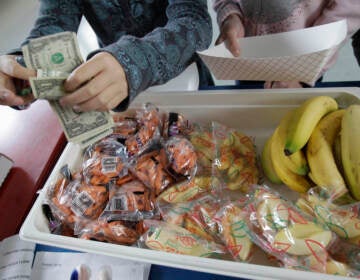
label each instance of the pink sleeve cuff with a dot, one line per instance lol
(224, 11)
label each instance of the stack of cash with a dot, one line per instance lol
(55, 57)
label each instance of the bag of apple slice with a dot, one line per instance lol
(163, 236)
(283, 231)
(188, 190)
(196, 216)
(201, 137)
(345, 258)
(233, 231)
(235, 158)
(343, 220)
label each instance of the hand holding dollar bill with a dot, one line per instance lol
(55, 57)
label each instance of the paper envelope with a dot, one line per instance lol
(297, 55)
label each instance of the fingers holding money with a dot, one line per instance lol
(9, 98)
(7, 92)
(99, 84)
(104, 101)
(10, 67)
(10, 73)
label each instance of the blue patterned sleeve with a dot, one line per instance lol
(56, 16)
(166, 51)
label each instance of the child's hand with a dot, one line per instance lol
(231, 30)
(99, 84)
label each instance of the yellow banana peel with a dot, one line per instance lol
(350, 149)
(294, 181)
(304, 120)
(319, 153)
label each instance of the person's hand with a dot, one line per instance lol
(231, 30)
(99, 84)
(10, 69)
(289, 84)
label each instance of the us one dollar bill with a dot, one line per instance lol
(55, 57)
(83, 128)
(48, 84)
(58, 52)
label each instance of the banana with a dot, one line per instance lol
(299, 162)
(296, 162)
(337, 153)
(304, 120)
(279, 161)
(320, 157)
(267, 165)
(350, 149)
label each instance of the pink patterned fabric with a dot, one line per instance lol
(261, 17)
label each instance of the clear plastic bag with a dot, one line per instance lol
(279, 228)
(131, 201)
(170, 238)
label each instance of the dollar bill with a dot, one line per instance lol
(48, 84)
(83, 128)
(59, 52)
(55, 57)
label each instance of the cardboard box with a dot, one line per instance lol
(256, 113)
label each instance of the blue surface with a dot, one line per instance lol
(159, 272)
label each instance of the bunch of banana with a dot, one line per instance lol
(308, 149)
(350, 149)
(319, 153)
(304, 120)
(280, 168)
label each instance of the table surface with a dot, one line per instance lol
(33, 139)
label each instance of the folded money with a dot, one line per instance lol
(55, 57)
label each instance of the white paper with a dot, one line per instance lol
(297, 55)
(5, 166)
(16, 257)
(60, 265)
